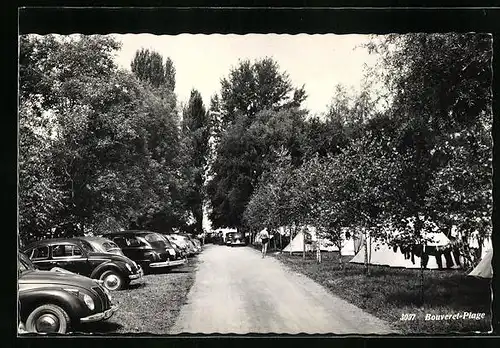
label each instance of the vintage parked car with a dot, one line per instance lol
(78, 256)
(184, 242)
(53, 302)
(178, 249)
(149, 249)
(229, 237)
(103, 245)
(196, 242)
(237, 238)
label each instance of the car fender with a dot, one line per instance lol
(30, 299)
(108, 265)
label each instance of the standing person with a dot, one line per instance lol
(264, 237)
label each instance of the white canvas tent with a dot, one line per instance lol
(382, 254)
(484, 269)
(296, 245)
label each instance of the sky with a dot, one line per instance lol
(319, 62)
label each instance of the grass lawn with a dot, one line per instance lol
(150, 305)
(388, 293)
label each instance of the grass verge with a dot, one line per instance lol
(151, 305)
(394, 294)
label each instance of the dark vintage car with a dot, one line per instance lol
(103, 245)
(195, 240)
(177, 240)
(148, 249)
(237, 238)
(229, 237)
(183, 240)
(53, 302)
(178, 249)
(77, 255)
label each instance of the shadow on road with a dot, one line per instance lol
(134, 286)
(102, 327)
(181, 271)
(185, 269)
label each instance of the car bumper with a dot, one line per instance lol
(167, 263)
(100, 316)
(138, 275)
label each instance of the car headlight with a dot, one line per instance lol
(171, 252)
(128, 267)
(88, 301)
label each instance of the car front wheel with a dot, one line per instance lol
(48, 319)
(112, 280)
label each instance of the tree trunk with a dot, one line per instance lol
(318, 250)
(303, 245)
(418, 232)
(367, 262)
(422, 276)
(341, 264)
(281, 243)
(480, 242)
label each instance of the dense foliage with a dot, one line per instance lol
(102, 148)
(425, 158)
(196, 130)
(99, 149)
(257, 113)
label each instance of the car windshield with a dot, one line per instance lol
(86, 246)
(24, 264)
(173, 241)
(153, 238)
(167, 241)
(109, 246)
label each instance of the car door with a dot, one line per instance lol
(40, 257)
(71, 257)
(131, 247)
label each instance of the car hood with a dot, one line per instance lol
(109, 256)
(56, 278)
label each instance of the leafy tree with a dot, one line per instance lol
(45, 62)
(148, 66)
(442, 95)
(441, 100)
(170, 74)
(196, 132)
(245, 153)
(110, 141)
(256, 100)
(253, 87)
(40, 197)
(323, 137)
(372, 174)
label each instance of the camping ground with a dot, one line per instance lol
(393, 294)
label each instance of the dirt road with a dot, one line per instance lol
(236, 291)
